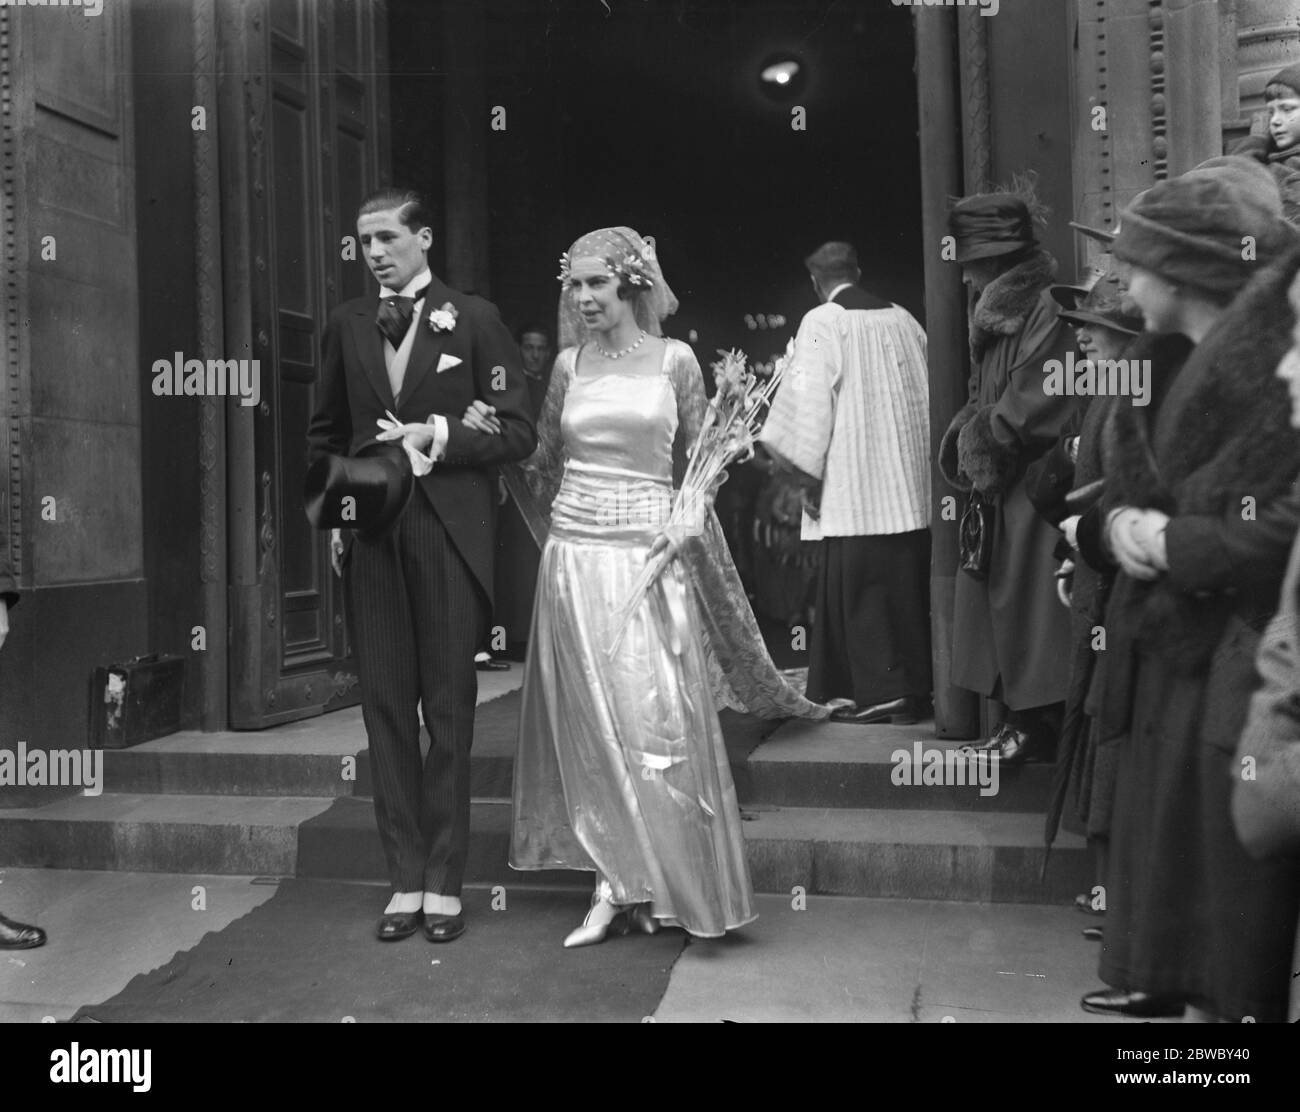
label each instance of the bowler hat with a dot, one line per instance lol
(366, 491)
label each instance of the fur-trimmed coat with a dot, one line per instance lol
(1010, 627)
(1193, 916)
(1221, 459)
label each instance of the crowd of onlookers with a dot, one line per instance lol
(1155, 491)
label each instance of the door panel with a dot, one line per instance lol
(313, 128)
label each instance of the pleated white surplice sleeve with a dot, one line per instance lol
(854, 412)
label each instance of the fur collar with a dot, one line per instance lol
(1006, 302)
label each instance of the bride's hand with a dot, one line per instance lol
(481, 417)
(670, 541)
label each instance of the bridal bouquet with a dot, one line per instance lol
(732, 421)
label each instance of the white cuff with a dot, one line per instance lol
(438, 448)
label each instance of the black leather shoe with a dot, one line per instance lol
(19, 936)
(1119, 1001)
(492, 665)
(396, 925)
(1015, 746)
(904, 711)
(443, 928)
(991, 744)
(1092, 934)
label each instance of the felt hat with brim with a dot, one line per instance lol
(1113, 318)
(1068, 297)
(1099, 234)
(366, 491)
(1101, 304)
(986, 225)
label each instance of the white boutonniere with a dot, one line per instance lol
(444, 319)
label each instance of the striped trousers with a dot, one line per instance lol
(417, 614)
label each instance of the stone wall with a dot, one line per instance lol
(70, 408)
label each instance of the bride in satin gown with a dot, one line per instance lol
(621, 767)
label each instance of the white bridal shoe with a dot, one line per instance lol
(641, 919)
(591, 933)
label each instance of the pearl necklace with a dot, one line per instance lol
(626, 351)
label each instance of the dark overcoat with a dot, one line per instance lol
(1189, 913)
(1010, 632)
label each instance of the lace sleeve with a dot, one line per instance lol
(545, 467)
(534, 483)
(688, 385)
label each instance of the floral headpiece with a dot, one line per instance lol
(631, 268)
(622, 259)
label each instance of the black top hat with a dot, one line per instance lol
(366, 492)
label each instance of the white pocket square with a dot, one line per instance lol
(446, 362)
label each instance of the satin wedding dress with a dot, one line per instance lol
(621, 766)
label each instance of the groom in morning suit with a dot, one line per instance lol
(419, 596)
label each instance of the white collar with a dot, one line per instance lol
(842, 286)
(422, 279)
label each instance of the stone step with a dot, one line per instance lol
(912, 853)
(793, 764)
(322, 759)
(832, 851)
(834, 764)
(133, 832)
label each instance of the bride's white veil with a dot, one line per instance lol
(627, 254)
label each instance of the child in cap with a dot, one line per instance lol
(1274, 138)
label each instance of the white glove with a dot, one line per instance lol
(413, 437)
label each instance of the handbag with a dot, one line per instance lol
(975, 537)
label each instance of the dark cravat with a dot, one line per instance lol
(394, 316)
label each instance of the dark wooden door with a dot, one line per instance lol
(305, 123)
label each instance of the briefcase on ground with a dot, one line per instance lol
(136, 701)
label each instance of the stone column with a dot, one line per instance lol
(956, 711)
(1155, 66)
